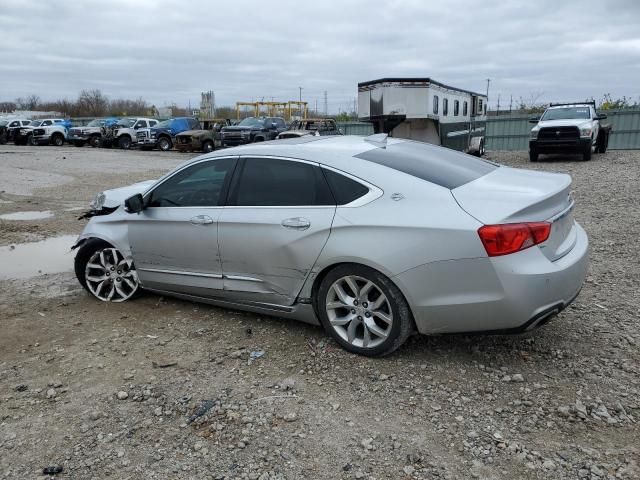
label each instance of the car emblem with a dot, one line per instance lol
(557, 133)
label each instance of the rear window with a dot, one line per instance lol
(441, 166)
(344, 189)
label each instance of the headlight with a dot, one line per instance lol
(98, 202)
(534, 133)
(585, 132)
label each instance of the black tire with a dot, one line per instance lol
(586, 155)
(402, 326)
(208, 146)
(533, 156)
(3, 139)
(258, 139)
(601, 144)
(124, 142)
(31, 141)
(85, 252)
(164, 144)
(94, 141)
(57, 139)
(79, 143)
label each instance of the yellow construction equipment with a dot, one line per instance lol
(246, 104)
(288, 110)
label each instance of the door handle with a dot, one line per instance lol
(201, 220)
(296, 223)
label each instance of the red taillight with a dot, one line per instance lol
(512, 237)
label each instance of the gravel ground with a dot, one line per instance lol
(160, 388)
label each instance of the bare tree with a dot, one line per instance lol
(93, 103)
(7, 107)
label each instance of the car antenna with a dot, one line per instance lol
(379, 138)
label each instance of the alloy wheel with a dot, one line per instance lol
(111, 277)
(359, 311)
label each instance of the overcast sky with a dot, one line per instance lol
(249, 50)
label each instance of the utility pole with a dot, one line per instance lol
(488, 82)
(325, 103)
(316, 109)
(498, 109)
(300, 97)
(510, 103)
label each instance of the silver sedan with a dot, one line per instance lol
(373, 238)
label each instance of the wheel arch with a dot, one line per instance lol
(311, 287)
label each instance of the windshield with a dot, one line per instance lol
(566, 113)
(126, 122)
(95, 123)
(165, 124)
(35, 123)
(251, 122)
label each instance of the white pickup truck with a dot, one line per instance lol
(569, 127)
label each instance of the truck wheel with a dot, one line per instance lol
(125, 142)
(207, 146)
(586, 155)
(3, 139)
(601, 145)
(57, 139)
(94, 141)
(533, 156)
(31, 141)
(164, 144)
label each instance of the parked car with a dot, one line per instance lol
(9, 126)
(54, 134)
(334, 231)
(163, 134)
(126, 129)
(25, 136)
(311, 126)
(569, 127)
(206, 139)
(91, 133)
(253, 129)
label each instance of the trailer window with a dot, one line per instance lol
(465, 108)
(480, 106)
(456, 107)
(445, 107)
(436, 100)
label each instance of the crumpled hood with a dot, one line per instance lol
(116, 196)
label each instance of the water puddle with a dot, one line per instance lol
(26, 260)
(27, 215)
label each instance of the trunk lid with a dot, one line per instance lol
(511, 195)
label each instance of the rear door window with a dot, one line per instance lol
(272, 182)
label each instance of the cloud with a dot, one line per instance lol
(170, 52)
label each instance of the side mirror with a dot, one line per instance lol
(534, 119)
(134, 204)
(601, 116)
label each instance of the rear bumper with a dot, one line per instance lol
(507, 294)
(546, 146)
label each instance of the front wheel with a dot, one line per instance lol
(164, 144)
(586, 155)
(533, 156)
(363, 310)
(124, 142)
(208, 146)
(57, 139)
(105, 273)
(94, 141)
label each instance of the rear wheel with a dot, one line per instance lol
(533, 155)
(105, 273)
(57, 139)
(207, 146)
(363, 310)
(94, 141)
(164, 144)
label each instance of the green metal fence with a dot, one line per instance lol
(355, 128)
(512, 132)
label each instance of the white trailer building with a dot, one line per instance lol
(425, 110)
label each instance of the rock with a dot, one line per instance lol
(158, 411)
(409, 470)
(94, 415)
(564, 411)
(51, 393)
(549, 465)
(198, 446)
(517, 377)
(290, 417)
(122, 395)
